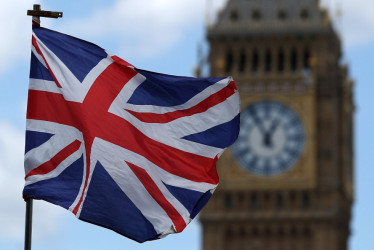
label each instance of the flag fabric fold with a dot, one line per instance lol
(120, 147)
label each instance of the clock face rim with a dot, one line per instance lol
(283, 153)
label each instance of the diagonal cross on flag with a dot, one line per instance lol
(120, 147)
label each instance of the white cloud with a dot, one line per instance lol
(15, 29)
(353, 19)
(151, 28)
(143, 28)
(147, 28)
(11, 181)
(358, 22)
(12, 210)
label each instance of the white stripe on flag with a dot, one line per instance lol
(72, 88)
(172, 132)
(128, 90)
(58, 170)
(114, 161)
(134, 189)
(44, 85)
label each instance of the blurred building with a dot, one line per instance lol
(286, 184)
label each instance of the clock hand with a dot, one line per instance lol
(267, 140)
(269, 134)
(258, 122)
(273, 126)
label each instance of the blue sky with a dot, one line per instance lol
(157, 35)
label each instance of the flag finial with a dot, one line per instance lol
(36, 13)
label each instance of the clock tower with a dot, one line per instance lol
(286, 183)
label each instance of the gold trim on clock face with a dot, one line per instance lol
(271, 138)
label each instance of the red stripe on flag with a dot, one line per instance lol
(55, 160)
(121, 61)
(157, 195)
(109, 127)
(201, 107)
(35, 24)
(88, 144)
(46, 63)
(47, 106)
(112, 128)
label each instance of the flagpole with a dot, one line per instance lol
(28, 224)
(36, 13)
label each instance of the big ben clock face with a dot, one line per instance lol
(271, 138)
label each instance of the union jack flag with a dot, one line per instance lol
(120, 147)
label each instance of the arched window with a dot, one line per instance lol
(229, 61)
(305, 202)
(268, 60)
(267, 231)
(266, 200)
(255, 60)
(228, 201)
(254, 201)
(279, 201)
(282, 15)
(293, 60)
(306, 231)
(293, 199)
(242, 60)
(229, 233)
(306, 59)
(280, 60)
(304, 14)
(256, 15)
(293, 231)
(234, 16)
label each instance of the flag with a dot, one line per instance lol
(120, 147)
